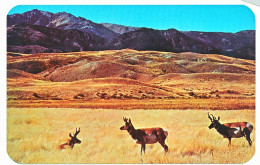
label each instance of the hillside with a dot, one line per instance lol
(60, 20)
(128, 74)
(120, 29)
(160, 40)
(241, 42)
(30, 39)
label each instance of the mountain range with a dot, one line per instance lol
(38, 31)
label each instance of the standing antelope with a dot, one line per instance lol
(231, 130)
(73, 140)
(146, 135)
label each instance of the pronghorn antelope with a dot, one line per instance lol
(73, 140)
(146, 135)
(231, 130)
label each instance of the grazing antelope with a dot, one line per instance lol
(231, 130)
(146, 135)
(73, 140)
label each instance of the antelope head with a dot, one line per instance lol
(214, 121)
(128, 124)
(74, 138)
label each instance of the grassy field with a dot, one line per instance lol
(34, 135)
(129, 104)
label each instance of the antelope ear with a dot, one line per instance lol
(70, 135)
(218, 118)
(129, 120)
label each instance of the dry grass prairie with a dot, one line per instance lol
(130, 104)
(34, 134)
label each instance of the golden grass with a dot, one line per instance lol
(33, 135)
(128, 104)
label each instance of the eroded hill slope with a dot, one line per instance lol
(128, 74)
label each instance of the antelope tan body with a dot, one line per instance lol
(152, 134)
(237, 124)
(239, 128)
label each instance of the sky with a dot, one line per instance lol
(208, 18)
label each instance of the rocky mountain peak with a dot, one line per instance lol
(240, 44)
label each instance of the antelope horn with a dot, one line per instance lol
(77, 132)
(125, 119)
(214, 118)
(209, 117)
